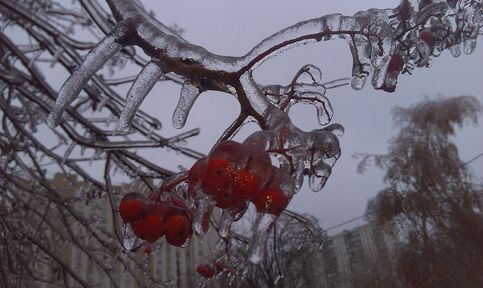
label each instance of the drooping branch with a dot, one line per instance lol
(383, 44)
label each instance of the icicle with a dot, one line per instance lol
(455, 50)
(324, 142)
(93, 61)
(68, 152)
(225, 224)
(361, 62)
(129, 240)
(141, 87)
(186, 243)
(56, 56)
(205, 205)
(379, 75)
(83, 150)
(188, 96)
(109, 119)
(95, 156)
(358, 81)
(469, 45)
(261, 227)
(279, 278)
(336, 129)
(150, 132)
(298, 178)
(102, 103)
(319, 176)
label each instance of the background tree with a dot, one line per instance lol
(90, 123)
(293, 257)
(431, 199)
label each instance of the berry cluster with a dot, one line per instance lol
(211, 270)
(151, 220)
(230, 177)
(234, 174)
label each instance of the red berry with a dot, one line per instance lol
(428, 38)
(271, 201)
(178, 227)
(205, 271)
(154, 222)
(245, 185)
(388, 88)
(148, 249)
(404, 10)
(139, 228)
(219, 265)
(217, 181)
(396, 64)
(259, 163)
(217, 175)
(132, 206)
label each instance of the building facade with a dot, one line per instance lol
(165, 266)
(354, 258)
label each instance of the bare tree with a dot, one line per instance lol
(293, 257)
(96, 125)
(431, 198)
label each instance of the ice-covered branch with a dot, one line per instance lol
(383, 44)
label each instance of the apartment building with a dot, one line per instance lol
(166, 265)
(351, 256)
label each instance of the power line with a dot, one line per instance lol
(362, 216)
(473, 159)
(346, 222)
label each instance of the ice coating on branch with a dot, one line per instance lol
(324, 151)
(309, 74)
(358, 81)
(141, 87)
(434, 9)
(261, 227)
(324, 109)
(381, 48)
(336, 129)
(189, 94)
(254, 93)
(93, 61)
(318, 177)
(306, 89)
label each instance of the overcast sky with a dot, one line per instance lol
(234, 27)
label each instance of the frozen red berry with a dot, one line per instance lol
(132, 206)
(178, 227)
(206, 271)
(271, 201)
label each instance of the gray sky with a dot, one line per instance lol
(234, 27)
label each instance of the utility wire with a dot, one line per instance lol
(362, 216)
(346, 222)
(473, 159)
